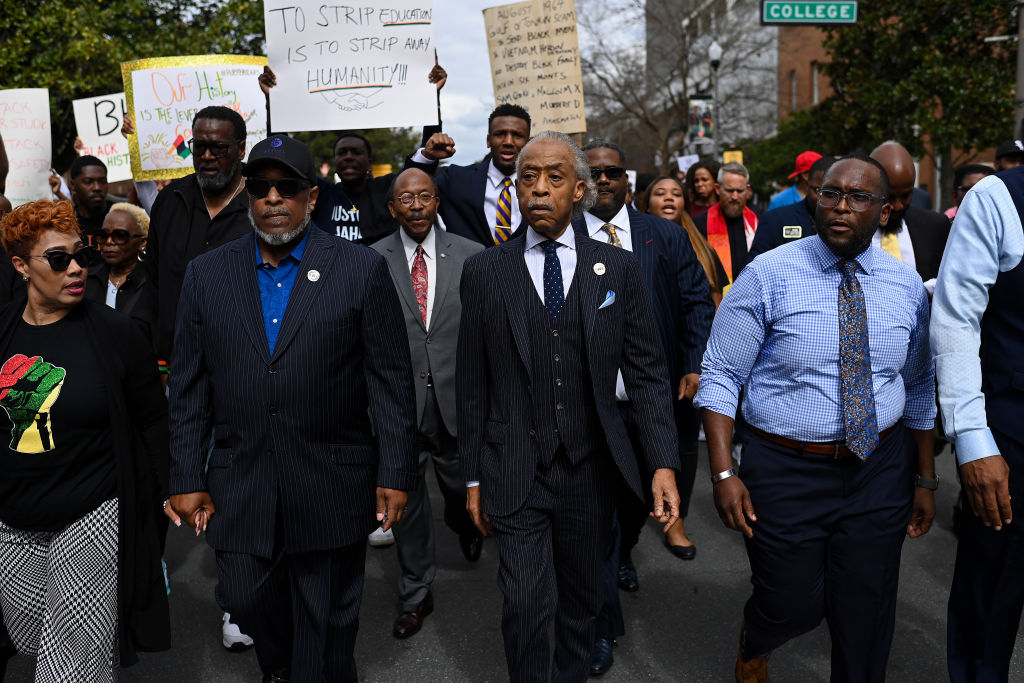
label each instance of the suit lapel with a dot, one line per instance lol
(394, 254)
(247, 296)
(480, 191)
(318, 256)
(443, 270)
(515, 288)
(641, 233)
(588, 281)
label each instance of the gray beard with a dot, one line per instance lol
(219, 182)
(283, 239)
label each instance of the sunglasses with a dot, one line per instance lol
(217, 149)
(612, 172)
(258, 188)
(117, 236)
(60, 260)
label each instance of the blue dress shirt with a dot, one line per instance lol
(534, 255)
(276, 286)
(777, 333)
(986, 240)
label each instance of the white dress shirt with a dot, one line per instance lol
(492, 190)
(534, 255)
(624, 233)
(906, 250)
(429, 257)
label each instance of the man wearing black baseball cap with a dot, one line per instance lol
(1009, 154)
(285, 342)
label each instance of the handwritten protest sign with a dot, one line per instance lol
(363, 65)
(535, 62)
(25, 127)
(98, 120)
(164, 94)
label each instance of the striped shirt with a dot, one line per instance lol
(777, 334)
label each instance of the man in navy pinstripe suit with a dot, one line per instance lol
(285, 353)
(548, 319)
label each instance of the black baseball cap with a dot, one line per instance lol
(284, 150)
(1008, 148)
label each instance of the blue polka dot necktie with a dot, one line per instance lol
(858, 397)
(554, 296)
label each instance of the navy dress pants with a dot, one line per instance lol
(827, 545)
(988, 586)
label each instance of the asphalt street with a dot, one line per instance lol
(682, 625)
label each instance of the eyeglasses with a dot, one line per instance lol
(829, 198)
(117, 236)
(408, 198)
(60, 260)
(612, 172)
(217, 149)
(258, 188)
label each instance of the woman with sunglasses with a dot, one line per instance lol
(116, 281)
(83, 465)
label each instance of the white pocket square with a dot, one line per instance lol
(609, 299)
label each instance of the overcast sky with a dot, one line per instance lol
(468, 96)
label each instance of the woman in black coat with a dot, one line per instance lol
(83, 476)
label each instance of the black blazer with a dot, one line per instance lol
(494, 369)
(928, 234)
(314, 427)
(781, 226)
(138, 424)
(678, 287)
(462, 190)
(136, 298)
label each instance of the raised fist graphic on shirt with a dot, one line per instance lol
(28, 389)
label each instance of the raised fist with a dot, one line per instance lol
(28, 389)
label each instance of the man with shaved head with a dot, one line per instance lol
(426, 266)
(914, 236)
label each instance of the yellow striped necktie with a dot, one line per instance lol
(503, 218)
(891, 243)
(613, 239)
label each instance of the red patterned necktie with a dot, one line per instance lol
(419, 282)
(503, 217)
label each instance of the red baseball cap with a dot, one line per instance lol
(804, 161)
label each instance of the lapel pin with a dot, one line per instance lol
(599, 268)
(313, 275)
(444, 255)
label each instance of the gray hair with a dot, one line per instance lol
(580, 165)
(734, 167)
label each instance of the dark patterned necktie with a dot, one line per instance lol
(857, 394)
(419, 282)
(554, 296)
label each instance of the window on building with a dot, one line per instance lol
(814, 83)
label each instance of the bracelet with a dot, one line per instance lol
(715, 478)
(926, 483)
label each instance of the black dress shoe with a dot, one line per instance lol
(627, 577)
(602, 658)
(683, 552)
(279, 676)
(471, 545)
(409, 623)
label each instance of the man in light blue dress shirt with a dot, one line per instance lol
(978, 341)
(829, 467)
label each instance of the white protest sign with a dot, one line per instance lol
(165, 93)
(363, 65)
(25, 127)
(98, 120)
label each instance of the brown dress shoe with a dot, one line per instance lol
(409, 623)
(754, 670)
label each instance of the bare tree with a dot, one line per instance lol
(643, 62)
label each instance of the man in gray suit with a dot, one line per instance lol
(426, 265)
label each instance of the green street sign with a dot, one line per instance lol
(781, 12)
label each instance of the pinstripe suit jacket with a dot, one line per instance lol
(312, 428)
(496, 443)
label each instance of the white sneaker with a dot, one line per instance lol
(232, 637)
(381, 538)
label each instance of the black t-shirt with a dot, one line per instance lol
(91, 226)
(56, 449)
(337, 211)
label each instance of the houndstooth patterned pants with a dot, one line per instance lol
(58, 595)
